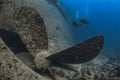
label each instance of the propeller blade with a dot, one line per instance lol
(15, 44)
(80, 53)
(13, 41)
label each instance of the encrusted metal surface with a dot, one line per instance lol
(31, 28)
(80, 53)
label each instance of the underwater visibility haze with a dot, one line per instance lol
(103, 17)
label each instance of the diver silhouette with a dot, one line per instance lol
(82, 22)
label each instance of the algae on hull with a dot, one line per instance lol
(30, 26)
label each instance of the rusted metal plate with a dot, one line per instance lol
(80, 53)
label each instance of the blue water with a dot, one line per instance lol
(104, 18)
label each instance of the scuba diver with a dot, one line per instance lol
(76, 24)
(82, 22)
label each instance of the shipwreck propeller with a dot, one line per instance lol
(30, 36)
(80, 53)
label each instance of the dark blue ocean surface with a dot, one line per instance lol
(103, 17)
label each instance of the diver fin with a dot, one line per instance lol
(80, 53)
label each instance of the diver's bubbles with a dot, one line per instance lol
(77, 16)
(87, 9)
